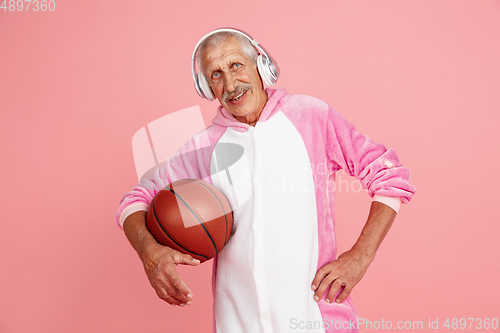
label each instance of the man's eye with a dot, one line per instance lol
(215, 75)
(237, 65)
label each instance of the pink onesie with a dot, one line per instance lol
(276, 176)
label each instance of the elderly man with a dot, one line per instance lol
(280, 271)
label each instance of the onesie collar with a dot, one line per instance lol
(226, 119)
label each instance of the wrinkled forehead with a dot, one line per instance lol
(216, 55)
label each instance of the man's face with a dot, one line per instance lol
(234, 78)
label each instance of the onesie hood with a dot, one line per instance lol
(226, 119)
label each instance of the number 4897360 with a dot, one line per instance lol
(34, 5)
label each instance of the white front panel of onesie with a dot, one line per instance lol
(265, 271)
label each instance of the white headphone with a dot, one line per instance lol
(268, 68)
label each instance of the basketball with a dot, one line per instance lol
(192, 217)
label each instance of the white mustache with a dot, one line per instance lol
(226, 96)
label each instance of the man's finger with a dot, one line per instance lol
(188, 260)
(343, 295)
(163, 294)
(320, 275)
(323, 286)
(334, 290)
(177, 287)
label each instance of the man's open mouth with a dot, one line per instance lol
(238, 97)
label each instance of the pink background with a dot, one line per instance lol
(423, 77)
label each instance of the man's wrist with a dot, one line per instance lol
(366, 255)
(137, 232)
(377, 225)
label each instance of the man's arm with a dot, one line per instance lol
(351, 265)
(159, 261)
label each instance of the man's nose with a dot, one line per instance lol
(231, 82)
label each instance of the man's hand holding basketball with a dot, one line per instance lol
(159, 261)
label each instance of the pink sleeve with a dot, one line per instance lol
(192, 160)
(376, 167)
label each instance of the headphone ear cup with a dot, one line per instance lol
(265, 71)
(205, 89)
(197, 86)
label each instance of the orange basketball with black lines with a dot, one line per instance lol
(192, 217)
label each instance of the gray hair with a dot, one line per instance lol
(218, 38)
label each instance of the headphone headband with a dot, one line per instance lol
(268, 68)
